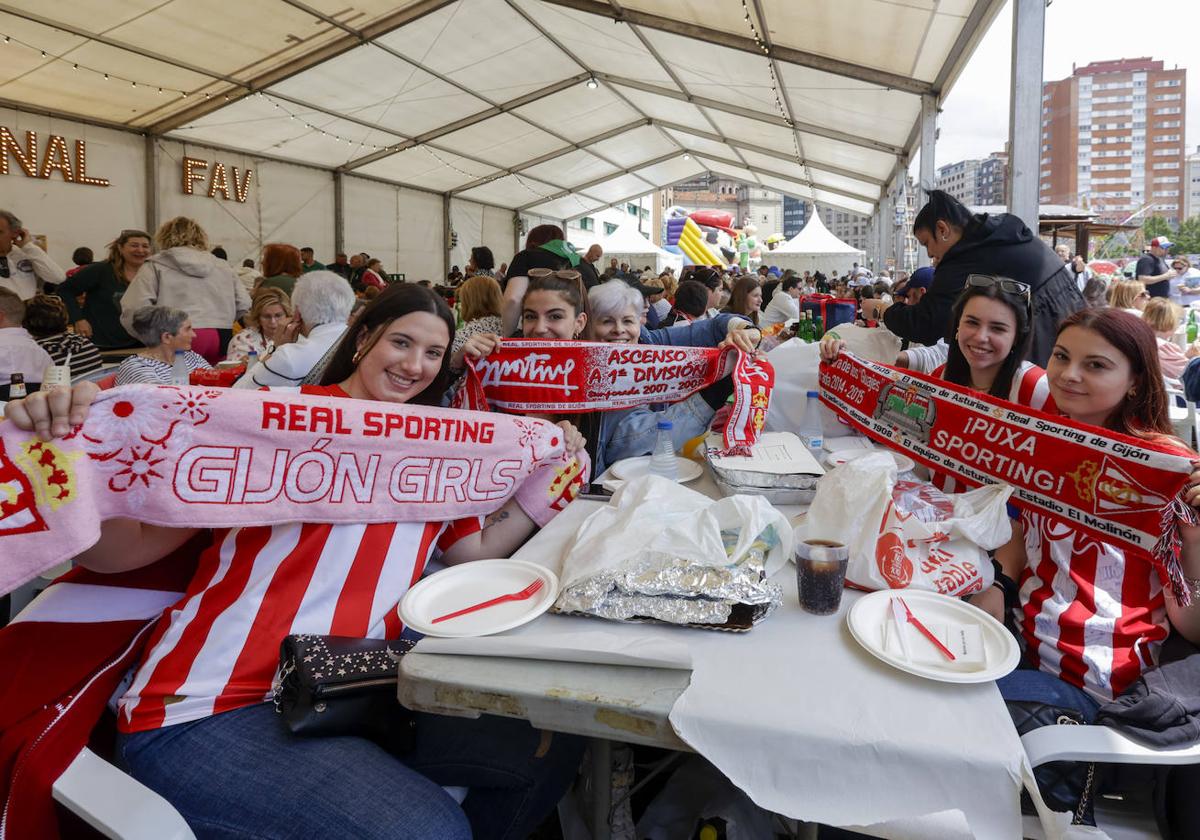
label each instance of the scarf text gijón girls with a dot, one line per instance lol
(209, 458)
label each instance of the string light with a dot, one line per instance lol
(761, 43)
(8, 39)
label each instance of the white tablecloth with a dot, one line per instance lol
(800, 717)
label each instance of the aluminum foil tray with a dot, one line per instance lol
(774, 495)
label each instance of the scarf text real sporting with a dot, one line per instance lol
(210, 458)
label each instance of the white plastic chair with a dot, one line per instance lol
(1130, 819)
(116, 804)
(1183, 417)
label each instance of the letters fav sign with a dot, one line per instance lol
(219, 179)
(57, 157)
(210, 458)
(577, 376)
(1119, 489)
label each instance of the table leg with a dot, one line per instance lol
(601, 773)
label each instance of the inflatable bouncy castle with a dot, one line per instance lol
(707, 237)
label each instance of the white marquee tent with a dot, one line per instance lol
(629, 246)
(814, 248)
(433, 116)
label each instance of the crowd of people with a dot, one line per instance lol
(1000, 313)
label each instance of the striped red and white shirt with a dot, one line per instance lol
(217, 649)
(1089, 615)
(1029, 388)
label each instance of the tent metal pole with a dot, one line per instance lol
(445, 237)
(1025, 109)
(151, 160)
(927, 173)
(339, 213)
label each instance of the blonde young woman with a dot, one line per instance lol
(184, 275)
(1164, 318)
(266, 324)
(1129, 295)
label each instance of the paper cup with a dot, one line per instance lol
(56, 375)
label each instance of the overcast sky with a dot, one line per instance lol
(974, 118)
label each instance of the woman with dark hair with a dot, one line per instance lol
(46, 320)
(202, 735)
(1092, 617)
(1000, 244)
(746, 299)
(101, 285)
(481, 263)
(691, 303)
(545, 247)
(281, 267)
(985, 350)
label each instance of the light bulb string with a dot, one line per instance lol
(765, 48)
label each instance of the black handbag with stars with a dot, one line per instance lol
(340, 685)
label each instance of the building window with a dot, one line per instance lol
(609, 228)
(587, 223)
(632, 208)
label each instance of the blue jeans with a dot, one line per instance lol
(241, 774)
(1032, 685)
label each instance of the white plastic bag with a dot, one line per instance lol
(657, 551)
(910, 545)
(796, 363)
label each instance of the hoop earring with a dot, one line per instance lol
(356, 358)
(944, 238)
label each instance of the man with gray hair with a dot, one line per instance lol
(323, 302)
(23, 265)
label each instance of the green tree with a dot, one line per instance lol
(1187, 237)
(1156, 226)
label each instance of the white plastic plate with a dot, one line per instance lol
(461, 586)
(836, 459)
(869, 614)
(631, 468)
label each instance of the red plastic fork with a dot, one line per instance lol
(528, 592)
(915, 622)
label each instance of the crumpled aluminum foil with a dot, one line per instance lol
(662, 586)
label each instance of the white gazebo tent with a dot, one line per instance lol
(629, 246)
(814, 248)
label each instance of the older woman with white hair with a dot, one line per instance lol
(617, 317)
(165, 331)
(322, 303)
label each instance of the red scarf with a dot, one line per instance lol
(578, 376)
(1122, 490)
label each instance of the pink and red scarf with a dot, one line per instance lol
(577, 376)
(210, 458)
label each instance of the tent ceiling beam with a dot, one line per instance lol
(782, 90)
(446, 80)
(545, 33)
(834, 190)
(629, 170)
(468, 121)
(333, 49)
(789, 55)
(65, 26)
(557, 153)
(751, 114)
(762, 150)
(669, 70)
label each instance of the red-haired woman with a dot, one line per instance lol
(281, 266)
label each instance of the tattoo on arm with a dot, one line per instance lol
(495, 518)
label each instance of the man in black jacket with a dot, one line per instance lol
(1001, 245)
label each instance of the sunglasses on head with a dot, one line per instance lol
(1011, 287)
(562, 274)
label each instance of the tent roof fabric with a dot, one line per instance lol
(626, 240)
(815, 238)
(553, 107)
